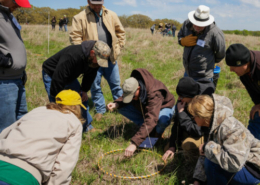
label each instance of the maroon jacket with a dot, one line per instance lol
(252, 80)
(158, 97)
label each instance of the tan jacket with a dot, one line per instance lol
(231, 144)
(46, 139)
(84, 28)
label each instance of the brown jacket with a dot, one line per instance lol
(158, 97)
(252, 80)
(84, 28)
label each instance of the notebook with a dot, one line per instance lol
(148, 141)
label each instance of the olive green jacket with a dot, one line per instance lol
(230, 143)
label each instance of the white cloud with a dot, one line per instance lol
(239, 17)
(126, 2)
(255, 3)
(229, 15)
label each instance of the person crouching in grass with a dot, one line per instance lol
(231, 154)
(43, 146)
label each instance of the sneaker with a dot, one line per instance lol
(88, 128)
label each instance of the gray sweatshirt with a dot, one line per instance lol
(199, 61)
(12, 43)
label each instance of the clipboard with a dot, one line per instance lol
(147, 142)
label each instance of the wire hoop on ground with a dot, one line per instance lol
(124, 177)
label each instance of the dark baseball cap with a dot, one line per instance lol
(237, 55)
(187, 87)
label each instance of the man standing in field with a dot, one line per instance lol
(173, 30)
(13, 61)
(246, 64)
(148, 103)
(98, 23)
(65, 23)
(204, 44)
(62, 70)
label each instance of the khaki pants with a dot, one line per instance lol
(189, 143)
(192, 143)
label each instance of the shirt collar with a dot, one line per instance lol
(4, 8)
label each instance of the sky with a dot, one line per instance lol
(228, 14)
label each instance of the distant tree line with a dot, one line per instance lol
(36, 15)
(242, 32)
(143, 21)
(39, 15)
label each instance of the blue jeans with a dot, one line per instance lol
(111, 74)
(254, 126)
(73, 86)
(136, 116)
(196, 79)
(216, 175)
(3, 183)
(173, 33)
(65, 27)
(13, 102)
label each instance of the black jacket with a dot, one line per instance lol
(183, 122)
(4, 60)
(252, 80)
(67, 65)
(60, 23)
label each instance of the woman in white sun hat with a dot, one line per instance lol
(204, 44)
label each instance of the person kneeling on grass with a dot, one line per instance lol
(185, 132)
(148, 103)
(43, 146)
(231, 155)
(61, 71)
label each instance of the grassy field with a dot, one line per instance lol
(162, 56)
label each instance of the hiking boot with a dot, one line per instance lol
(90, 129)
(98, 117)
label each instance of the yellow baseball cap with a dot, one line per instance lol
(69, 97)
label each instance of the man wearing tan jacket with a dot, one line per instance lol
(98, 23)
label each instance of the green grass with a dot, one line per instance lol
(162, 56)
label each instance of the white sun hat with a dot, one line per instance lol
(201, 17)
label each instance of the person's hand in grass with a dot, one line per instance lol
(169, 154)
(129, 151)
(112, 106)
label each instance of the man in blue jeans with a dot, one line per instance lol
(65, 23)
(246, 64)
(148, 103)
(13, 61)
(62, 70)
(96, 22)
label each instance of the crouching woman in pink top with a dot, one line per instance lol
(43, 146)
